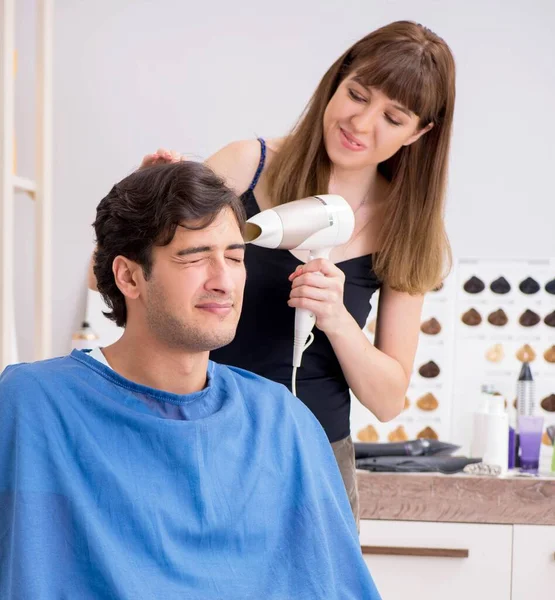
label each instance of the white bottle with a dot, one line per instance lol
(477, 446)
(496, 434)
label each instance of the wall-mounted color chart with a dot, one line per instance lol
(505, 315)
(489, 317)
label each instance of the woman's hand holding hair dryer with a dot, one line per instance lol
(318, 287)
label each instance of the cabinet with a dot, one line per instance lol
(436, 561)
(429, 536)
(533, 562)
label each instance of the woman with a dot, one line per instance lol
(377, 132)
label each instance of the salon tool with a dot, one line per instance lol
(317, 224)
(416, 464)
(420, 447)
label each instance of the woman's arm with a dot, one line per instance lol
(236, 164)
(379, 374)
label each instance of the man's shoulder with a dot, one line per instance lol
(22, 378)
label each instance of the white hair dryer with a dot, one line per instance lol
(317, 224)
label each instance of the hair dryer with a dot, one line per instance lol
(317, 224)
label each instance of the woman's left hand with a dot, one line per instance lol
(318, 287)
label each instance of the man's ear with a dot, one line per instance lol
(128, 275)
(419, 133)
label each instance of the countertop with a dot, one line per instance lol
(457, 498)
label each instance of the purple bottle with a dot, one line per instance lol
(512, 447)
(525, 404)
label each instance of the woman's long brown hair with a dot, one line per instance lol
(415, 67)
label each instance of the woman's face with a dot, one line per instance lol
(364, 127)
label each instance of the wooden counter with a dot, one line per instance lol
(456, 498)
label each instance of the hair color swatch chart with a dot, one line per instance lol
(505, 315)
(489, 317)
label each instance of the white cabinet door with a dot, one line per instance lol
(533, 562)
(438, 561)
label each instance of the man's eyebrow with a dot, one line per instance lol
(202, 249)
(404, 110)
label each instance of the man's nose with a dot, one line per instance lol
(220, 277)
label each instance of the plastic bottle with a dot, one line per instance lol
(496, 433)
(513, 436)
(477, 447)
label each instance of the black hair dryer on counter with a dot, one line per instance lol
(422, 447)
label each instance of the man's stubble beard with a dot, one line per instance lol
(176, 334)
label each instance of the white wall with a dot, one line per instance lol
(24, 212)
(134, 75)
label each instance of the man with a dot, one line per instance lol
(146, 471)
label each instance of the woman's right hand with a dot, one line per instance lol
(160, 157)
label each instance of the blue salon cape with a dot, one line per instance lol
(101, 497)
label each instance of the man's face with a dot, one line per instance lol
(194, 295)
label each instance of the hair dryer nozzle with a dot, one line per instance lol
(311, 223)
(264, 229)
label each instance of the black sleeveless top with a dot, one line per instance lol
(264, 340)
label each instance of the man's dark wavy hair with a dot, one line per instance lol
(144, 209)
